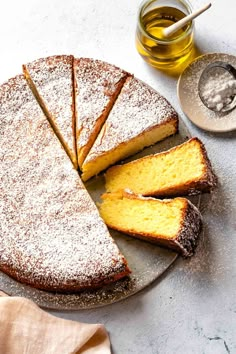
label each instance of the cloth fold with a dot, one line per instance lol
(26, 329)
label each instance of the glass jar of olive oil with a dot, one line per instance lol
(160, 51)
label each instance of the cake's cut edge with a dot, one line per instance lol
(186, 239)
(151, 136)
(206, 182)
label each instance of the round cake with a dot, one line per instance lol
(52, 235)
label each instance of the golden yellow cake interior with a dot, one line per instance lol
(139, 215)
(178, 170)
(173, 223)
(93, 167)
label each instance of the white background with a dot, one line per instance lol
(192, 309)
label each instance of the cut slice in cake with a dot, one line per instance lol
(51, 81)
(184, 169)
(97, 85)
(175, 223)
(52, 236)
(139, 118)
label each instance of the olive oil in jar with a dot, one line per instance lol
(159, 51)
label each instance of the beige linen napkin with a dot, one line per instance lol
(26, 329)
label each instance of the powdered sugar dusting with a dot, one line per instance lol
(51, 233)
(157, 261)
(137, 109)
(33, 138)
(190, 230)
(96, 83)
(53, 79)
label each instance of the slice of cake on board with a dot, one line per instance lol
(51, 81)
(139, 118)
(97, 85)
(173, 223)
(52, 236)
(184, 169)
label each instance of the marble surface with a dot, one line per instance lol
(192, 308)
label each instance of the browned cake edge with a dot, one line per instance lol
(68, 286)
(45, 110)
(185, 241)
(206, 183)
(190, 230)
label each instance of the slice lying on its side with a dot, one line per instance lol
(51, 81)
(174, 223)
(52, 236)
(139, 118)
(184, 169)
(97, 85)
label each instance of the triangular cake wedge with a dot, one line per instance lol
(52, 236)
(51, 81)
(139, 118)
(172, 223)
(184, 169)
(97, 85)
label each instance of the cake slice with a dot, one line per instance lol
(184, 169)
(52, 236)
(174, 224)
(51, 81)
(140, 117)
(97, 85)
